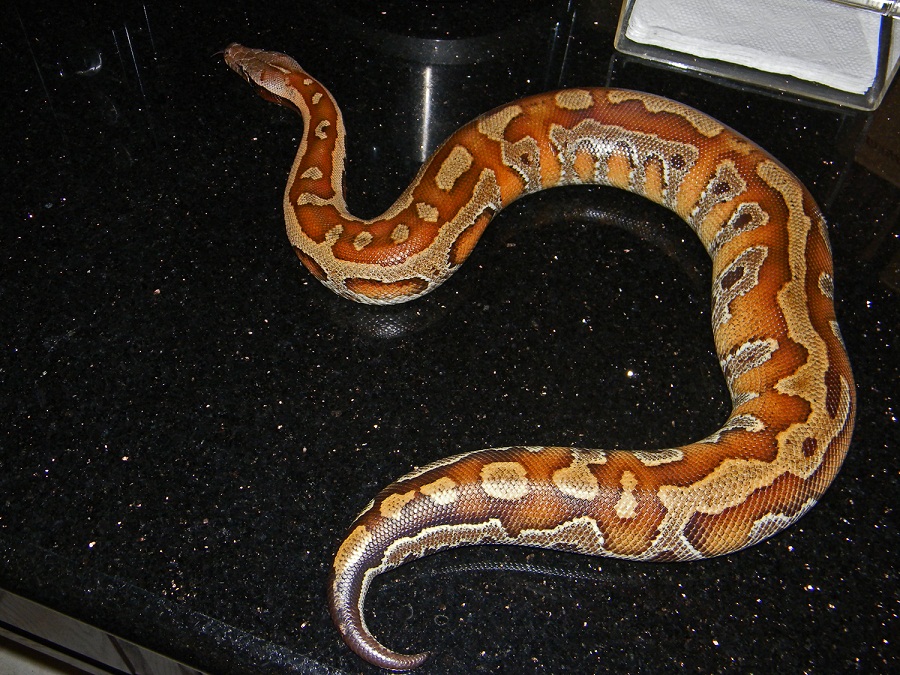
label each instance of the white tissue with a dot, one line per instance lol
(814, 40)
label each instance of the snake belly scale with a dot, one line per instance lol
(773, 319)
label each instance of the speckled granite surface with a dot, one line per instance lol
(190, 421)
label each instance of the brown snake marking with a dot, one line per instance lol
(773, 323)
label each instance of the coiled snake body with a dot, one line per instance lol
(772, 312)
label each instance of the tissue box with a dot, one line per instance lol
(838, 51)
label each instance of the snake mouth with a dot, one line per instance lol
(239, 69)
(245, 61)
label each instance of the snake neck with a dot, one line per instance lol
(317, 173)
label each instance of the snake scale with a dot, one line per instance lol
(773, 322)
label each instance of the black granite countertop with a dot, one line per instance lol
(190, 421)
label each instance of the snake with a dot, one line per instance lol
(773, 321)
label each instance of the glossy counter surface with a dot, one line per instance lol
(191, 421)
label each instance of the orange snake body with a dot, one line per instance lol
(772, 312)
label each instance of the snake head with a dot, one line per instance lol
(268, 72)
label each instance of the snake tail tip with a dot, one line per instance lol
(371, 651)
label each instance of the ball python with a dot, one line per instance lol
(773, 322)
